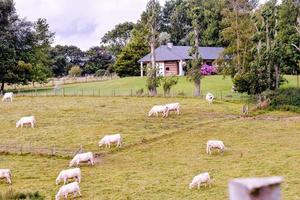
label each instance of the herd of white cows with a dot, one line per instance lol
(107, 140)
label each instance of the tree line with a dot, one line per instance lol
(262, 42)
(26, 54)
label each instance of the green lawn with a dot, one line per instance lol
(153, 169)
(218, 85)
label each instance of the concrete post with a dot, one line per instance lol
(255, 188)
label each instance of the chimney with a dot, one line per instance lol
(170, 45)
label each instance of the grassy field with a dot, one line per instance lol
(218, 85)
(150, 169)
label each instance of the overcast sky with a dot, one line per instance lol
(81, 22)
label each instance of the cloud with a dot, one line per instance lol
(81, 22)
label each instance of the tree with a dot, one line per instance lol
(153, 14)
(127, 61)
(168, 83)
(16, 42)
(211, 36)
(289, 36)
(164, 38)
(196, 13)
(64, 57)
(176, 22)
(237, 32)
(75, 71)
(41, 60)
(116, 39)
(98, 59)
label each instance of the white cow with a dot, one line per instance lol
(5, 173)
(174, 107)
(68, 174)
(71, 188)
(159, 109)
(26, 120)
(199, 179)
(82, 157)
(209, 98)
(7, 97)
(108, 139)
(214, 144)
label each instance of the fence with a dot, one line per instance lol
(46, 151)
(98, 92)
(61, 81)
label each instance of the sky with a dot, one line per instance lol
(81, 22)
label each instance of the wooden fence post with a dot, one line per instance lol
(93, 92)
(63, 92)
(131, 92)
(99, 92)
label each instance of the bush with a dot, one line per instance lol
(285, 98)
(75, 71)
(168, 83)
(208, 70)
(10, 194)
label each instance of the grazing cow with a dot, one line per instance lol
(174, 107)
(106, 140)
(26, 120)
(82, 157)
(159, 109)
(68, 174)
(5, 173)
(214, 144)
(209, 98)
(199, 179)
(7, 97)
(71, 188)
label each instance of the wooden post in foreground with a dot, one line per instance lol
(255, 188)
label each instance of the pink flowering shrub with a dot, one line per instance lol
(208, 70)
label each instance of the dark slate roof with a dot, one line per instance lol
(164, 53)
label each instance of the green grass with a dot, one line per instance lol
(219, 85)
(161, 169)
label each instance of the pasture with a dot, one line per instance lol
(159, 156)
(220, 86)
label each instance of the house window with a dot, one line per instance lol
(167, 69)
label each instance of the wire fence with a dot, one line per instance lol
(17, 148)
(98, 92)
(61, 81)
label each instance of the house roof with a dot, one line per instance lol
(165, 53)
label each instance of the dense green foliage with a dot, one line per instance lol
(116, 39)
(75, 71)
(23, 44)
(285, 98)
(168, 83)
(260, 42)
(127, 61)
